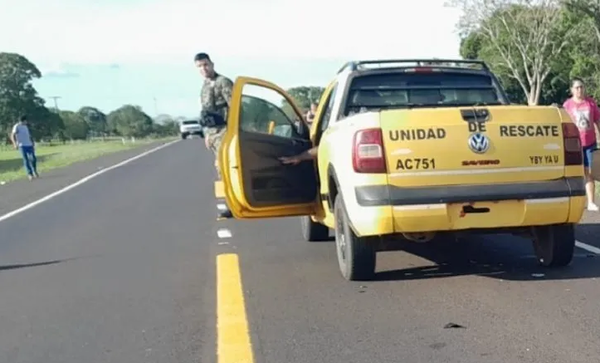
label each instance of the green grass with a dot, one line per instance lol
(58, 155)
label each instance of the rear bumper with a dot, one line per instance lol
(380, 195)
(401, 210)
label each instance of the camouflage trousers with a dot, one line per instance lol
(214, 137)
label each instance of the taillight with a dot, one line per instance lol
(422, 70)
(573, 151)
(367, 153)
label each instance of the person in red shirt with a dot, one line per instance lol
(585, 114)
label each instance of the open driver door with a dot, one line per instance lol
(264, 125)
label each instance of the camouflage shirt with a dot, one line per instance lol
(216, 95)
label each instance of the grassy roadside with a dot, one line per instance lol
(58, 155)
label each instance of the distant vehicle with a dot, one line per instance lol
(190, 127)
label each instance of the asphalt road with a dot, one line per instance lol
(129, 267)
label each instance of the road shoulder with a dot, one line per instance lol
(22, 192)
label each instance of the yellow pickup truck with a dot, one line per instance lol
(406, 148)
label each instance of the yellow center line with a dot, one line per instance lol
(233, 337)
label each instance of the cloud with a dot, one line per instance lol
(58, 71)
(65, 74)
(172, 31)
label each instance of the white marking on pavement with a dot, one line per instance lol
(81, 181)
(587, 247)
(224, 233)
(223, 243)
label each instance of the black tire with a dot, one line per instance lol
(313, 231)
(356, 256)
(184, 136)
(554, 245)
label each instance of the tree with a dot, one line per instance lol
(18, 96)
(305, 95)
(129, 120)
(474, 46)
(94, 118)
(75, 126)
(589, 9)
(584, 53)
(51, 127)
(166, 128)
(523, 39)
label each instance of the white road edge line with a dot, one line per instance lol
(224, 233)
(587, 247)
(81, 181)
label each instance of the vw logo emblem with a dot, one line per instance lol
(479, 143)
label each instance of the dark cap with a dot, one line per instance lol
(201, 56)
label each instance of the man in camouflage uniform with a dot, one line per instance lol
(214, 98)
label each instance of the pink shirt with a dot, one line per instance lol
(584, 114)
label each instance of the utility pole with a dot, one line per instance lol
(55, 103)
(155, 106)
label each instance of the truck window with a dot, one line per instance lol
(417, 89)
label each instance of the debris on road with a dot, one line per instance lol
(454, 326)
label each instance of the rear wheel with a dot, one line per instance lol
(554, 245)
(313, 231)
(356, 256)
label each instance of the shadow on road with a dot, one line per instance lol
(25, 265)
(501, 257)
(589, 233)
(35, 264)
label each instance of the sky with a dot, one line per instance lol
(106, 53)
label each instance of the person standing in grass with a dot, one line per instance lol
(585, 114)
(22, 140)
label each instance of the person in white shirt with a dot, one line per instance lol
(22, 140)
